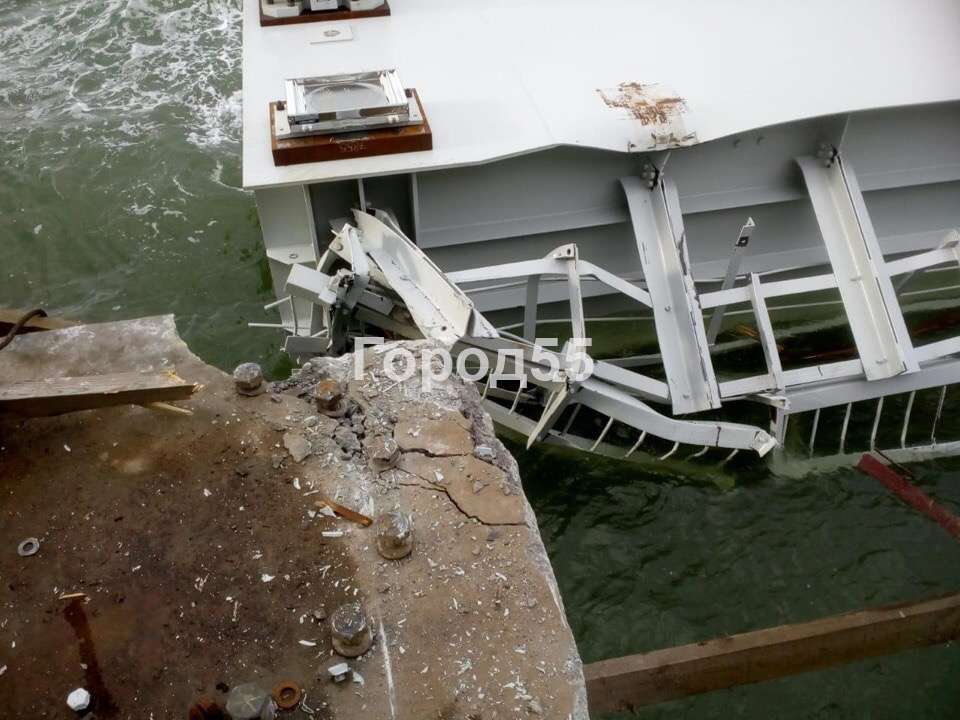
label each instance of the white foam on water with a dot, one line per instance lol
(122, 67)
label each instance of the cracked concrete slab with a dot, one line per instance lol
(433, 431)
(206, 563)
(480, 490)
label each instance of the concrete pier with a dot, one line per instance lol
(182, 556)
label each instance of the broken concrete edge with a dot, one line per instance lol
(468, 403)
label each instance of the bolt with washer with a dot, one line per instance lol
(350, 630)
(328, 395)
(394, 535)
(248, 379)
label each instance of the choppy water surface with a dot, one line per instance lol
(119, 168)
(119, 174)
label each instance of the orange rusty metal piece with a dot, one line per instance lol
(345, 512)
(287, 694)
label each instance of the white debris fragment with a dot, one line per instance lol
(67, 448)
(339, 672)
(296, 483)
(78, 700)
(308, 643)
(327, 510)
(3, 669)
(358, 678)
(266, 578)
(207, 493)
(332, 533)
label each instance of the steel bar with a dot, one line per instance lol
(936, 417)
(813, 431)
(530, 309)
(733, 267)
(906, 419)
(876, 424)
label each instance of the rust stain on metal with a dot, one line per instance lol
(643, 103)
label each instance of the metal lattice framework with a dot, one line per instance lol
(374, 274)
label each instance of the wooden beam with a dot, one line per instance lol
(636, 680)
(9, 318)
(56, 396)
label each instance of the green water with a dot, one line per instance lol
(119, 174)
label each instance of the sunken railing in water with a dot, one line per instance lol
(372, 275)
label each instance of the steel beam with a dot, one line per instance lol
(658, 227)
(843, 391)
(862, 277)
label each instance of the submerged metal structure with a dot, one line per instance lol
(661, 196)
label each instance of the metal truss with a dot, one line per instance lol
(373, 274)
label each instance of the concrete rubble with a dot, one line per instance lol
(162, 530)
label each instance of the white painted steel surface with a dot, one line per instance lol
(658, 226)
(858, 265)
(507, 77)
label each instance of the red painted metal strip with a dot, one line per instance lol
(910, 493)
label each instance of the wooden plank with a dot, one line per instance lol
(9, 318)
(320, 148)
(56, 396)
(324, 16)
(637, 680)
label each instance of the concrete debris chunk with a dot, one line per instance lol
(249, 702)
(297, 445)
(346, 438)
(484, 452)
(383, 452)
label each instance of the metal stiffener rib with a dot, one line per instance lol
(658, 227)
(863, 280)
